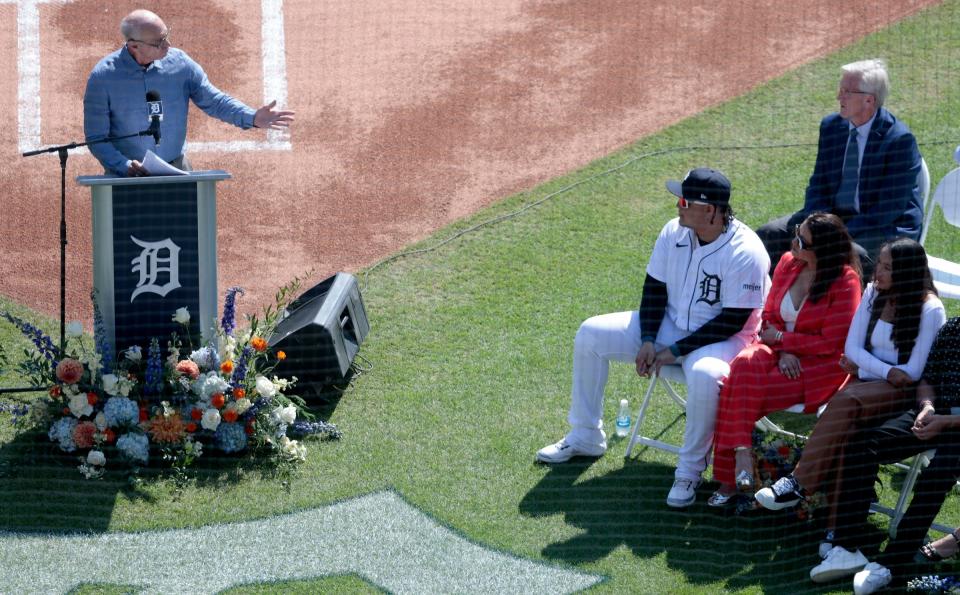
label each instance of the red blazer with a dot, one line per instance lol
(820, 331)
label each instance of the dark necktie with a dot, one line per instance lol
(843, 203)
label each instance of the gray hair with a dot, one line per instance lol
(132, 25)
(873, 77)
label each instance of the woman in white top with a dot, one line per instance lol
(886, 350)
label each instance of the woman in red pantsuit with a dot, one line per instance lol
(815, 293)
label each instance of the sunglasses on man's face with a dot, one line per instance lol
(685, 204)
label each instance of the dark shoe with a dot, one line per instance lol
(721, 500)
(928, 553)
(785, 493)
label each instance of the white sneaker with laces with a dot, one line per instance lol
(838, 563)
(871, 579)
(683, 493)
(563, 451)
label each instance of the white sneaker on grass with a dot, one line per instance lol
(683, 493)
(871, 579)
(563, 451)
(838, 563)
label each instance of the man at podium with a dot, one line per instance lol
(147, 85)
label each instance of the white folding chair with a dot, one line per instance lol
(946, 273)
(674, 373)
(920, 462)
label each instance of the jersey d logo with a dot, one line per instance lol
(709, 289)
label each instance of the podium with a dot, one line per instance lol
(154, 251)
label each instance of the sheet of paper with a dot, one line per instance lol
(159, 167)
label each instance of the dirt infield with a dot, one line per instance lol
(410, 114)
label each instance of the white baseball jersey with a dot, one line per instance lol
(730, 272)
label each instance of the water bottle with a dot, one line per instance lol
(623, 419)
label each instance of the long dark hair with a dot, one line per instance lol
(833, 248)
(911, 283)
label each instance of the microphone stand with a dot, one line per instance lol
(62, 151)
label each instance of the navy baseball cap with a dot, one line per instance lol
(702, 184)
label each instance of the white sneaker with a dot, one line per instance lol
(683, 493)
(838, 564)
(871, 579)
(563, 451)
(824, 548)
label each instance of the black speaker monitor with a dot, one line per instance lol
(321, 331)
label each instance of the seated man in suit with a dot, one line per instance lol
(866, 170)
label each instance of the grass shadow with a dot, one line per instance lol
(626, 508)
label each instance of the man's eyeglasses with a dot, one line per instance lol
(801, 243)
(685, 204)
(165, 40)
(848, 92)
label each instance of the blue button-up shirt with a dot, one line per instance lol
(114, 104)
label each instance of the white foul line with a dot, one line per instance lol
(273, 52)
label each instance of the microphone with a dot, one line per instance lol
(155, 108)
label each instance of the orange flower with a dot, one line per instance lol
(55, 391)
(239, 393)
(226, 367)
(167, 429)
(281, 355)
(196, 414)
(230, 415)
(248, 429)
(92, 398)
(217, 400)
(259, 343)
(191, 427)
(109, 435)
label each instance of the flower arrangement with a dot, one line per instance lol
(775, 457)
(175, 399)
(934, 584)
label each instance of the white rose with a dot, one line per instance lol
(293, 450)
(95, 457)
(265, 387)
(288, 414)
(110, 384)
(74, 329)
(100, 421)
(125, 385)
(79, 405)
(211, 419)
(182, 316)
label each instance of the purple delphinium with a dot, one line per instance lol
(17, 411)
(301, 429)
(102, 345)
(228, 322)
(259, 404)
(40, 339)
(153, 380)
(240, 367)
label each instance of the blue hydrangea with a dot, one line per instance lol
(207, 358)
(121, 411)
(230, 437)
(135, 447)
(62, 432)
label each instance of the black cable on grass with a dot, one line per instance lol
(596, 176)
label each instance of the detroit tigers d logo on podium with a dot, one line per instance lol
(156, 259)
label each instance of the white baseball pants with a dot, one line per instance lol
(617, 337)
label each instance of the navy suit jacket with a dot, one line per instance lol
(890, 202)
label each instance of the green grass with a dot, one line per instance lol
(472, 343)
